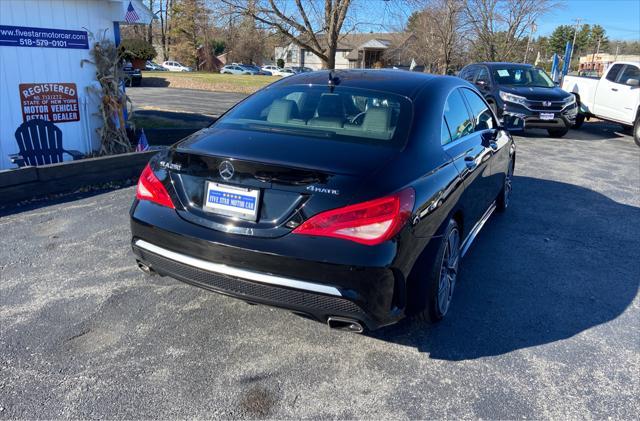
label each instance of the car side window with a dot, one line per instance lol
(612, 74)
(457, 116)
(483, 76)
(469, 74)
(483, 119)
(445, 135)
(629, 72)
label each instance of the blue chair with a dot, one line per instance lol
(40, 142)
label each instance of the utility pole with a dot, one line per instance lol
(573, 44)
(534, 28)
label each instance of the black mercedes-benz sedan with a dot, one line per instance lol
(524, 96)
(349, 197)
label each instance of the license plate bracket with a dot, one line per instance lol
(232, 201)
(547, 116)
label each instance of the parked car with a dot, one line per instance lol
(174, 66)
(285, 72)
(133, 77)
(349, 196)
(614, 97)
(301, 69)
(257, 70)
(231, 69)
(152, 66)
(270, 68)
(277, 71)
(524, 96)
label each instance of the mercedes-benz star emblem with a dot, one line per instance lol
(226, 170)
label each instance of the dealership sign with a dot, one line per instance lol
(55, 102)
(23, 36)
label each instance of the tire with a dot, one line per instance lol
(504, 197)
(437, 282)
(558, 132)
(636, 131)
(579, 121)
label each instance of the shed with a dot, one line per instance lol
(42, 44)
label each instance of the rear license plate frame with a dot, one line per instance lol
(226, 192)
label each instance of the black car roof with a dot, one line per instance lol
(400, 82)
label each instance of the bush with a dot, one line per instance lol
(137, 49)
(280, 63)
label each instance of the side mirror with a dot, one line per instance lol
(632, 82)
(489, 137)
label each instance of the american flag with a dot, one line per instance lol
(143, 144)
(131, 15)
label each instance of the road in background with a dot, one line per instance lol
(183, 100)
(544, 322)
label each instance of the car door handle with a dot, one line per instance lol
(614, 89)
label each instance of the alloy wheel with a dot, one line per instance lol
(448, 271)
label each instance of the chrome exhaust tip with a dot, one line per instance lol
(343, 323)
(146, 269)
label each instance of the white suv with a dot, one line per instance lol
(174, 66)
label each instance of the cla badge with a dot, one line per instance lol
(546, 103)
(226, 170)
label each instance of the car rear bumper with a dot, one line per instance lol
(372, 295)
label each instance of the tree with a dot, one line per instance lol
(136, 49)
(587, 39)
(499, 27)
(189, 18)
(559, 38)
(249, 45)
(598, 40)
(438, 30)
(306, 26)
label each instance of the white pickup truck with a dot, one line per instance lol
(614, 97)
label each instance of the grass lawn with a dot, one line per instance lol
(207, 81)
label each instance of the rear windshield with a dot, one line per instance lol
(345, 114)
(523, 76)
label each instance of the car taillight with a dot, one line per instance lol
(369, 223)
(150, 188)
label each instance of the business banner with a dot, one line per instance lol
(23, 36)
(55, 102)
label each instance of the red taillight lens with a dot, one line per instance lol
(150, 188)
(369, 223)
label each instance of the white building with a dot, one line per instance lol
(365, 50)
(42, 43)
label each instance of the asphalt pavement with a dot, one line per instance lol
(194, 101)
(544, 323)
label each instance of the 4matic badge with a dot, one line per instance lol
(324, 190)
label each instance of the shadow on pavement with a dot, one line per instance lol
(590, 131)
(153, 81)
(562, 260)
